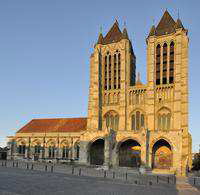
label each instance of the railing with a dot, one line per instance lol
(195, 181)
(120, 175)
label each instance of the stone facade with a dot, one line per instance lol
(124, 113)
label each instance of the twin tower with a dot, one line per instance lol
(150, 120)
(129, 124)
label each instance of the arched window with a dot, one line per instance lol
(77, 150)
(37, 149)
(119, 70)
(164, 119)
(112, 120)
(112, 71)
(51, 151)
(171, 63)
(168, 120)
(115, 71)
(137, 121)
(142, 120)
(158, 49)
(65, 152)
(133, 122)
(164, 76)
(109, 72)
(22, 148)
(105, 73)
(159, 121)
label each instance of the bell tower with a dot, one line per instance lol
(112, 71)
(167, 77)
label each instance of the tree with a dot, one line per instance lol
(196, 162)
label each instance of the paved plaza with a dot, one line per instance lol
(15, 181)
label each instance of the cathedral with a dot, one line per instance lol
(129, 124)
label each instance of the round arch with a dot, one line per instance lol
(162, 155)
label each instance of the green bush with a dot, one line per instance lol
(196, 162)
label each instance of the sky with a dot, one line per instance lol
(45, 47)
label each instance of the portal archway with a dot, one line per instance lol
(129, 154)
(162, 155)
(96, 151)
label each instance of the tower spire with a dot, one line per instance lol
(138, 82)
(125, 33)
(100, 39)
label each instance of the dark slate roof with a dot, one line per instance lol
(100, 39)
(179, 24)
(167, 25)
(152, 31)
(113, 35)
(125, 34)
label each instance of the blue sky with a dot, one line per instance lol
(45, 47)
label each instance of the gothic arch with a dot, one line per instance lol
(96, 151)
(137, 109)
(163, 108)
(51, 142)
(110, 111)
(164, 138)
(21, 142)
(163, 119)
(64, 143)
(93, 140)
(162, 155)
(111, 120)
(129, 153)
(36, 142)
(125, 139)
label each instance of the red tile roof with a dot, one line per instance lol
(55, 125)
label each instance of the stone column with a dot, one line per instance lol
(12, 153)
(27, 153)
(46, 152)
(41, 153)
(83, 157)
(60, 152)
(107, 152)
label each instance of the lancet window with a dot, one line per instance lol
(171, 63)
(112, 120)
(164, 73)
(112, 71)
(158, 63)
(137, 121)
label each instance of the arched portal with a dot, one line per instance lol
(97, 152)
(129, 154)
(162, 155)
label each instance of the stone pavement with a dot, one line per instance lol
(14, 181)
(185, 188)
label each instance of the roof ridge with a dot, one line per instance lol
(166, 24)
(114, 34)
(58, 118)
